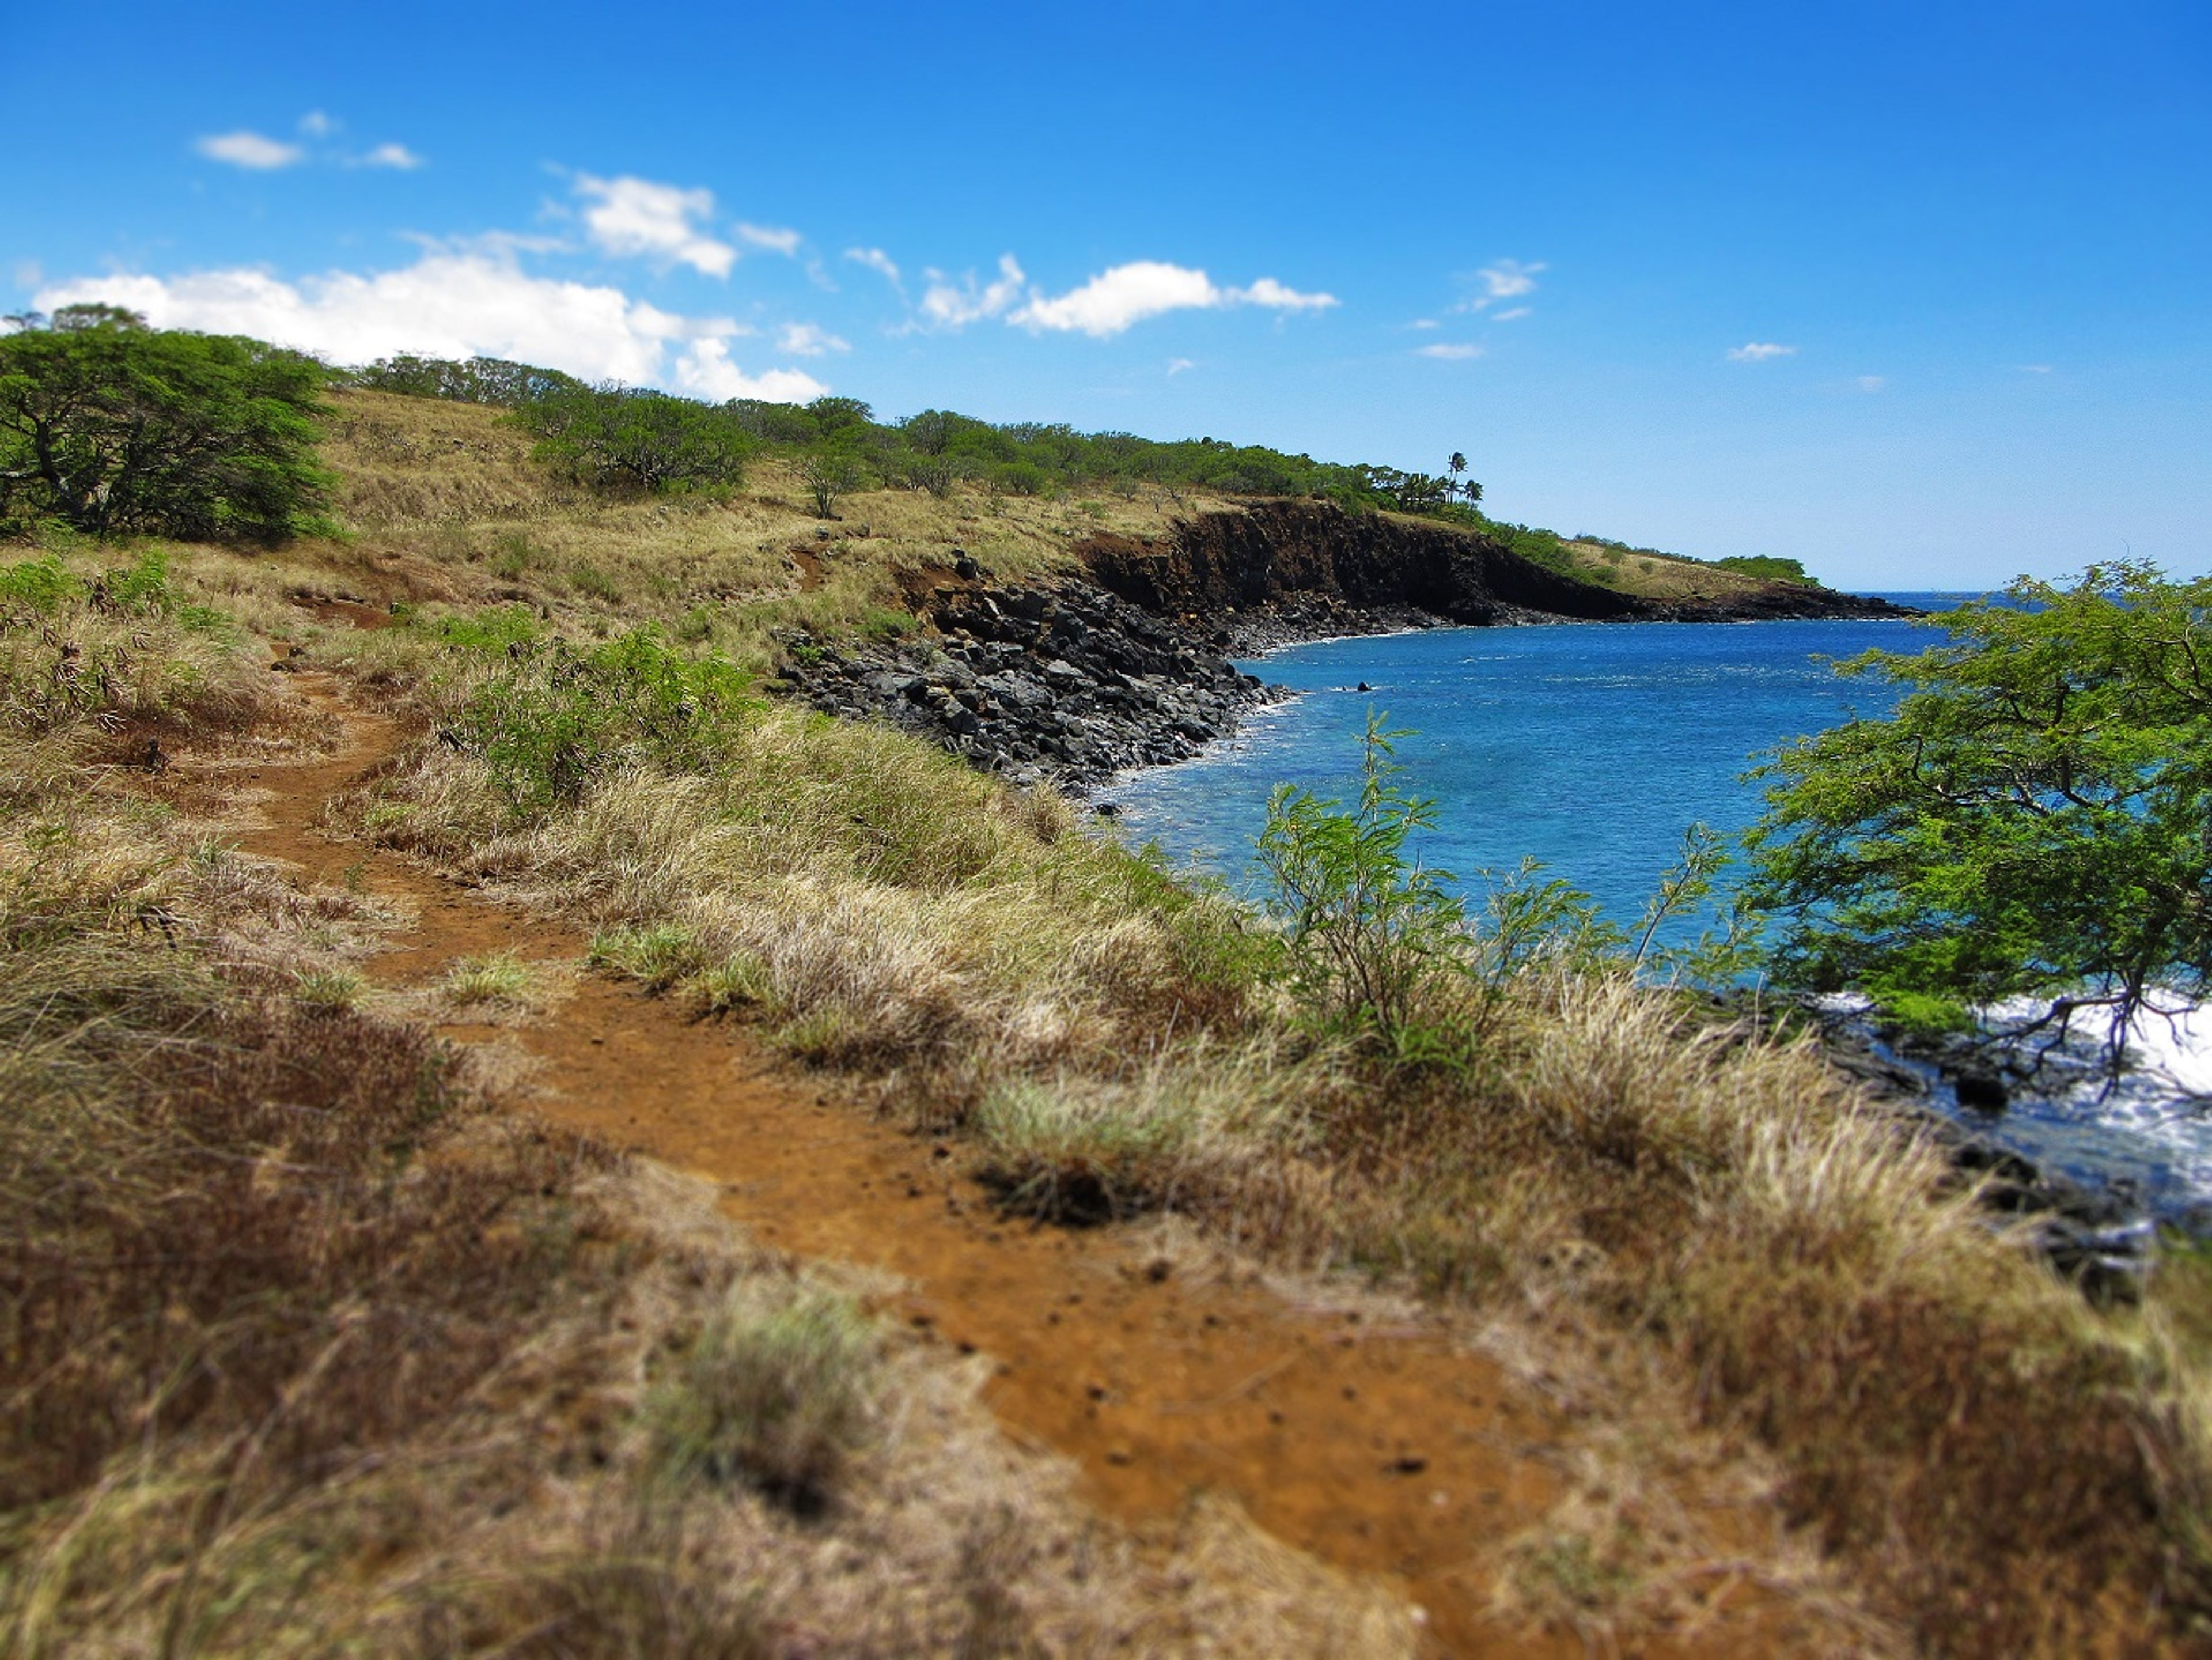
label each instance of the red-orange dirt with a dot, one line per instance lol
(1389, 1452)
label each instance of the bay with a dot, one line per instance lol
(1592, 747)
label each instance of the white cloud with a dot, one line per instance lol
(1274, 296)
(774, 238)
(878, 262)
(316, 124)
(397, 156)
(1177, 365)
(1873, 382)
(631, 216)
(1510, 314)
(1506, 279)
(809, 340)
(1450, 351)
(2035, 369)
(1759, 351)
(451, 303)
(1509, 278)
(943, 305)
(1424, 323)
(1116, 298)
(250, 150)
(705, 371)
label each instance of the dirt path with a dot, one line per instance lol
(1385, 1451)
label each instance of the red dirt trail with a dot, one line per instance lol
(1388, 1452)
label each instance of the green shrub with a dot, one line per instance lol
(557, 719)
(1369, 926)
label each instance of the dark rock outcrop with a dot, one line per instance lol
(2096, 1237)
(1072, 684)
(1288, 570)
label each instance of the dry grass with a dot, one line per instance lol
(1789, 1267)
(1655, 575)
(307, 1351)
(450, 487)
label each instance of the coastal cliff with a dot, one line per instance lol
(1287, 571)
(1080, 680)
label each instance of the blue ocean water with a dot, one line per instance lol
(1592, 747)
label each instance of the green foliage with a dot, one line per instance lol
(616, 435)
(830, 473)
(476, 381)
(1368, 926)
(115, 428)
(1766, 565)
(556, 719)
(38, 588)
(498, 628)
(2032, 820)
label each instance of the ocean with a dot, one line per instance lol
(1592, 747)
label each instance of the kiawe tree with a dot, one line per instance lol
(2035, 819)
(114, 428)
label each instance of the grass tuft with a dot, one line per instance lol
(781, 1395)
(501, 977)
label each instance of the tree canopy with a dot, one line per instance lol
(115, 428)
(2035, 819)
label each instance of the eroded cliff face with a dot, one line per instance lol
(1310, 567)
(1282, 551)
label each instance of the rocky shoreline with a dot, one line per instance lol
(1072, 683)
(1069, 685)
(2099, 1238)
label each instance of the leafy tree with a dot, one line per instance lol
(613, 435)
(828, 475)
(2036, 818)
(117, 428)
(475, 380)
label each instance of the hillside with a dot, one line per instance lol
(529, 1139)
(747, 562)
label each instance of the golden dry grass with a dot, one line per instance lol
(1656, 576)
(309, 1351)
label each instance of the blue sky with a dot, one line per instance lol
(1919, 293)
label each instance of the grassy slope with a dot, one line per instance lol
(312, 1344)
(1656, 576)
(1689, 1232)
(452, 482)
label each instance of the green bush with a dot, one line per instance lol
(1368, 926)
(557, 718)
(616, 436)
